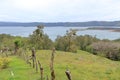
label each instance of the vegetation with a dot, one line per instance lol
(18, 70)
(39, 40)
(110, 50)
(83, 66)
(19, 53)
(4, 63)
(70, 42)
(84, 41)
(67, 42)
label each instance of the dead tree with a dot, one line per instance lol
(52, 65)
(41, 69)
(33, 57)
(68, 74)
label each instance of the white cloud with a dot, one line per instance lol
(61, 10)
(30, 4)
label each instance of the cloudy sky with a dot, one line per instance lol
(59, 10)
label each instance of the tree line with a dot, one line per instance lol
(70, 42)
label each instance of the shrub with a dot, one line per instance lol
(110, 50)
(4, 63)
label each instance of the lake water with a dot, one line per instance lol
(53, 32)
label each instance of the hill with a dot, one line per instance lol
(83, 66)
(68, 24)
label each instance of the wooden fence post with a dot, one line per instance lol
(52, 65)
(41, 69)
(33, 57)
(68, 74)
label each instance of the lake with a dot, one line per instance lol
(53, 32)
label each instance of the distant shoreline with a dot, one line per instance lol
(64, 24)
(103, 28)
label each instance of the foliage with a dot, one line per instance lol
(4, 63)
(84, 41)
(10, 42)
(110, 49)
(117, 40)
(67, 42)
(39, 40)
(18, 42)
(72, 42)
(6, 40)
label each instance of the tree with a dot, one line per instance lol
(67, 42)
(84, 41)
(17, 44)
(39, 40)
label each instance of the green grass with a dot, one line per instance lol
(20, 69)
(83, 66)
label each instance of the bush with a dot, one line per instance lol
(110, 50)
(4, 63)
(84, 41)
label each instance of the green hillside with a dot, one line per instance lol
(83, 66)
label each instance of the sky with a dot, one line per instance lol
(59, 10)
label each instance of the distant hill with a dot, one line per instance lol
(68, 24)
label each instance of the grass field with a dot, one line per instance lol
(83, 66)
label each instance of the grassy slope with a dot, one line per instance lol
(21, 71)
(83, 66)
